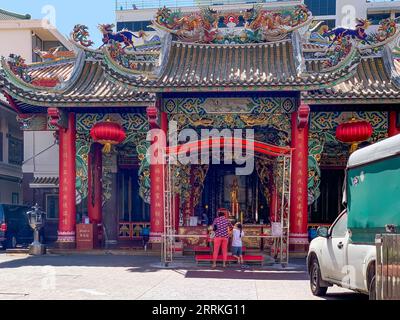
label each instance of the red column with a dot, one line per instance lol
(393, 128)
(67, 192)
(299, 189)
(157, 179)
(95, 187)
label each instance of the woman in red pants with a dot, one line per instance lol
(222, 227)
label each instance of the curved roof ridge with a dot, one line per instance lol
(19, 83)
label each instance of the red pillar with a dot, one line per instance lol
(299, 189)
(393, 128)
(157, 179)
(67, 192)
(95, 187)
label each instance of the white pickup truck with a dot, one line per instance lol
(334, 259)
(345, 254)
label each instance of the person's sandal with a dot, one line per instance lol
(214, 266)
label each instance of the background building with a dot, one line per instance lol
(28, 160)
(11, 153)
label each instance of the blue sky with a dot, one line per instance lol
(67, 13)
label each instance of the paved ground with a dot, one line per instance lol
(139, 277)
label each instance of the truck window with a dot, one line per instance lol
(340, 228)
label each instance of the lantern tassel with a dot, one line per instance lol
(107, 147)
(353, 148)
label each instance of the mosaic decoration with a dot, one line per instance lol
(253, 25)
(18, 67)
(340, 43)
(107, 176)
(131, 122)
(82, 151)
(339, 54)
(199, 173)
(182, 186)
(143, 62)
(273, 136)
(54, 54)
(270, 114)
(338, 33)
(123, 37)
(144, 170)
(136, 127)
(386, 30)
(253, 106)
(316, 144)
(323, 145)
(80, 35)
(264, 166)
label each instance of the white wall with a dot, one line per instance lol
(9, 172)
(16, 41)
(348, 10)
(38, 162)
(16, 37)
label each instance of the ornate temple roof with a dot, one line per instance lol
(264, 66)
(376, 80)
(255, 50)
(85, 85)
(60, 69)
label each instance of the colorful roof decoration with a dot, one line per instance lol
(256, 25)
(251, 50)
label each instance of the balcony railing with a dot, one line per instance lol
(121, 5)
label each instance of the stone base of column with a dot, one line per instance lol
(298, 239)
(66, 240)
(155, 237)
(298, 245)
(155, 241)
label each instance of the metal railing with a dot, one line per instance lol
(121, 5)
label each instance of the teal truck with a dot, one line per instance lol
(346, 254)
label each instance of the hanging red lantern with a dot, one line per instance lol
(354, 132)
(108, 133)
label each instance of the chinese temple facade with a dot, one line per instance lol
(296, 83)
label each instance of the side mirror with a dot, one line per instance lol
(323, 232)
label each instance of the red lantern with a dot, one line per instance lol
(354, 132)
(108, 133)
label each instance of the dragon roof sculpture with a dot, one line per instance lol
(255, 25)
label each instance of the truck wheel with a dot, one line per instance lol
(315, 280)
(372, 289)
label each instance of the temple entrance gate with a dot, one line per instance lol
(281, 156)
